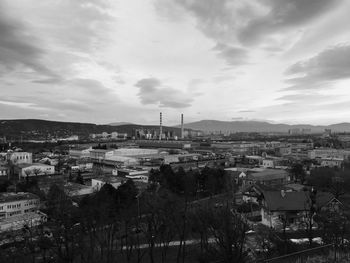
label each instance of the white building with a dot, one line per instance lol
(4, 171)
(35, 169)
(20, 157)
(268, 163)
(328, 153)
(97, 183)
(331, 162)
(100, 154)
(74, 189)
(79, 152)
(18, 210)
(135, 152)
(114, 135)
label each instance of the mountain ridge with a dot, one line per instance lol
(260, 126)
(36, 128)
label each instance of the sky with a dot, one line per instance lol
(100, 61)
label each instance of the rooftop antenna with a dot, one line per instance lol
(160, 127)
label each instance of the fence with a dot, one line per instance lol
(329, 251)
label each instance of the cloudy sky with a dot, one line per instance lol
(106, 61)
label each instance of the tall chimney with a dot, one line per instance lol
(160, 126)
(182, 126)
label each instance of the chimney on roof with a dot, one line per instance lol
(182, 126)
(283, 193)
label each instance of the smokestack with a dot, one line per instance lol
(182, 126)
(160, 126)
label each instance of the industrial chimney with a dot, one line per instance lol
(160, 127)
(182, 126)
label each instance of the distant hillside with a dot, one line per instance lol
(257, 126)
(33, 128)
(119, 123)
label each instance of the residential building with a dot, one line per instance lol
(20, 157)
(97, 183)
(267, 177)
(74, 189)
(332, 162)
(328, 153)
(268, 163)
(4, 171)
(100, 154)
(34, 169)
(289, 208)
(18, 210)
(164, 144)
(78, 152)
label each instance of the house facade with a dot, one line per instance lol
(18, 210)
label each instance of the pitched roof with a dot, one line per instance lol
(323, 198)
(268, 174)
(12, 197)
(294, 201)
(291, 201)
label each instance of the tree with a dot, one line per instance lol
(4, 185)
(297, 172)
(229, 232)
(321, 178)
(310, 211)
(154, 176)
(27, 172)
(337, 186)
(37, 171)
(79, 179)
(126, 193)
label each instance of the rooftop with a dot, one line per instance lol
(291, 201)
(268, 174)
(294, 201)
(25, 165)
(12, 197)
(109, 179)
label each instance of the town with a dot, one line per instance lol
(160, 196)
(174, 131)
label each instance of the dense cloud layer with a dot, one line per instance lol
(89, 60)
(328, 66)
(152, 91)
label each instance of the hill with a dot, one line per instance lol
(260, 126)
(119, 123)
(43, 129)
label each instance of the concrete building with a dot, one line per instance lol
(34, 169)
(116, 160)
(268, 163)
(18, 210)
(328, 153)
(268, 177)
(290, 208)
(74, 189)
(100, 154)
(140, 175)
(332, 162)
(20, 157)
(79, 152)
(97, 183)
(135, 152)
(164, 144)
(4, 171)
